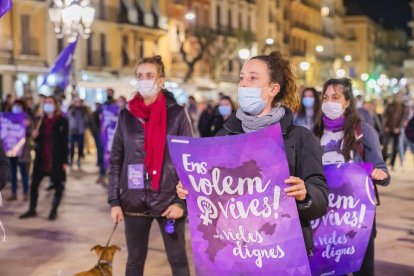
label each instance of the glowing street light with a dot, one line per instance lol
(372, 83)
(304, 66)
(269, 41)
(244, 53)
(348, 58)
(340, 73)
(190, 15)
(319, 48)
(364, 76)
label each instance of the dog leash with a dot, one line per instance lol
(107, 244)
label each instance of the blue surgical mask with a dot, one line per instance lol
(308, 101)
(224, 110)
(250, 100)
(17, 109)
(49, 107)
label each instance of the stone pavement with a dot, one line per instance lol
(62, 247)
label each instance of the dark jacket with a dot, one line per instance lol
(59, 146)
(128, 148)
(304, 155)
(4, 167)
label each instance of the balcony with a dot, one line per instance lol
(30, 46)
(305, 27)
(108, 14)
(299, 53)
(311, 4)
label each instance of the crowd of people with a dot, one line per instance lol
(337, 127)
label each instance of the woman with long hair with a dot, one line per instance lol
(142, 178)
(345, 138)
(51, 138)
(309, 110)
(267, 93)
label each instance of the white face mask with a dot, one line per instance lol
(332, 110)
(147, 88)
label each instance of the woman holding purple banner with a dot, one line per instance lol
(345, 138)
(22, 162)
(267, 92)
(51, 138)
(142, 178)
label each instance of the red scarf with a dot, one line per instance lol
(155, 133)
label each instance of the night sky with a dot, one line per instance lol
(389, 13)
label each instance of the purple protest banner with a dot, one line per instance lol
(241, 221)
(108, 127)
(341, 236)
(13, 132)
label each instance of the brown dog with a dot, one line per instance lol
(104, 266)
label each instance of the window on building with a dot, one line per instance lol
(197, 13)
(249, 22)
(89, 50)
(25, 31)
(240, 21)
(141, 48)
(218, 17)
(206, 18)
(125, 47)
(230, 66)
(103, 55)
(230, 20)
(102, 14)
(59, 45)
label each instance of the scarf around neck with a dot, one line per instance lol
(252, 123)
(334, 125)
(154, 118)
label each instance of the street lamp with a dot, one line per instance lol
(72, 18)
(190, 15)
(319, 48)
(340, 73)
(269, 41)
(348, 58)
(364, 76)
(244, 53)
(304, 66)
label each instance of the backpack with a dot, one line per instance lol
(360, 149)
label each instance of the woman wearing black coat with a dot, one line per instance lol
(51, 139)
(266, 91)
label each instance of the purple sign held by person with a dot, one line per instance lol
(341, 236)
(241, 221)
(108, 127)
(13, 132)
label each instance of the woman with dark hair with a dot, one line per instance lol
(224, 109)
(267, 93)
(345, 138)
(142, 178)
(22, 162)
(51, 138)
(310, 107)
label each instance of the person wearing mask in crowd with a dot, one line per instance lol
(267, 92)
(51, 138)
(121, 102)
(363, 112)
(78, 122)
(110, 93)
(8, 103)
(96, 132)
(395, 117)
(206, 120)
(309, 108)
(193, 112)
(225, 109)
(345, 138)
(140, 147)
(22, 162)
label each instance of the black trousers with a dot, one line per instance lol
(368, 263)
(395, 138)
(137, 229)
(34, 192)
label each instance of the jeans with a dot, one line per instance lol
(137, 229)
(34, 192)
(100, 153)
(395, 141)
(14, 164)
(79, 140)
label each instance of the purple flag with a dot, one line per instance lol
(5, 6)
(59, 74)
(241, 221)
(341, 236)
(13, 132)
(108, 127)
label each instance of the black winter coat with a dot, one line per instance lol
(59, 146)
(4, 167)
(304, 155)
(128, 148)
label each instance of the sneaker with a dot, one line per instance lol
(52, 216)
(12, 198)
(28, 214)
